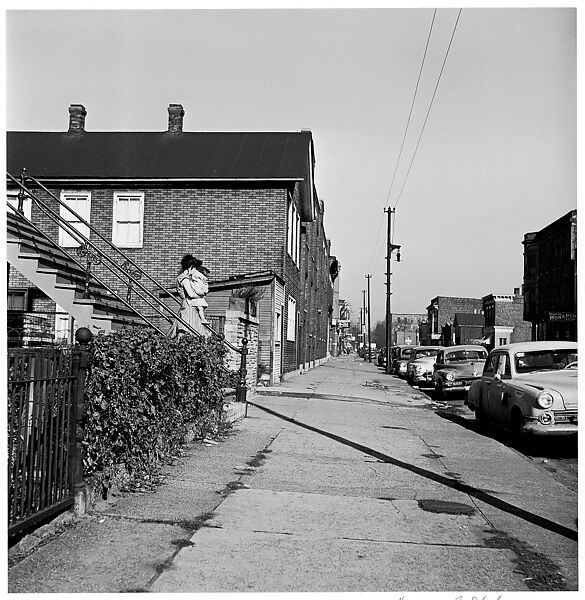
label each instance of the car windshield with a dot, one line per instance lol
(423, 353)
(465, 356)
(544, 360)
(407, 352)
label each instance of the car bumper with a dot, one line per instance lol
(533, 426)
(422, 379)
(458, 385)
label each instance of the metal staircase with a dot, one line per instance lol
(63, 279)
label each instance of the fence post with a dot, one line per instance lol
(241, 387)
(80, 362)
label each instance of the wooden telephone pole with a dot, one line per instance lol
(390, 247)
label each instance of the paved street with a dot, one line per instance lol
(342, 479)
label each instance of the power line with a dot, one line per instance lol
(412, 105)
(375, 247)
(430, 106)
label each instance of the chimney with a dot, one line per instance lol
(77, 114)
(176, 114)
(516, 291)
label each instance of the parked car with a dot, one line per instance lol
(528, 387)
(457, 367)
(419, 369)
(401, 358)
(381, 357)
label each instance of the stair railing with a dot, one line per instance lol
(122, 272)
(70, 257)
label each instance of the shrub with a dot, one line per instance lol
(144, 391)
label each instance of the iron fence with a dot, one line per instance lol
(42, 387)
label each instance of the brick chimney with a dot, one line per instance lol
(516, 291)
(176, 114)
(77, 114)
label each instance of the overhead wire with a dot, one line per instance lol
(378, 237)
(412, 106)
(429, 109)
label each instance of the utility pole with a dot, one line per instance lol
(390, 247)
(359, 335)
(368, 277)
(364, 321)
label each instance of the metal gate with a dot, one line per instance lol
(43, 384)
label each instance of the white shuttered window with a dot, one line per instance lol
(128, 220)
(291, 325)
(80, 202)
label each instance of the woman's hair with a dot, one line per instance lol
(189, 261)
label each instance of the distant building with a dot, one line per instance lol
(441, 315)
(405, 328)
(550, 280)
(504, 323)
(468, 328)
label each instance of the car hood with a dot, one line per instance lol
(564, 382)
(465, 368)
(424, 361)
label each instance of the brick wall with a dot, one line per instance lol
(237, 326)
(233, 231)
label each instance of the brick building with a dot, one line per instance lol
(550, 280)
(245, 203)
(504, 321)
(406, 328)
(468, 328)
(441, 315)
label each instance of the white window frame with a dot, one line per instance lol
(293, 239)
(12, 197)
(278, 326)
(291, 323)
(65, 239)
(116, 235)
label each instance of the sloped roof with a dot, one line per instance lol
(468, 319)
(189, 155)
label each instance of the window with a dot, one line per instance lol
(291, 325)
(278, 330)
(293, 232)
(17, 299)
(503, 365)
(80, 202)
(62, 326)
(490, 365)
(26, 205)
(503, 341)
(128, 220)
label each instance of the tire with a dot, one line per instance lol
(516, 422)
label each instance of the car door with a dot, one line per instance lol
(499, 409)
(487, 380)
(439, 364)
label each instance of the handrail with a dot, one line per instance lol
(82, 239)
(74, 260)
(79, 236)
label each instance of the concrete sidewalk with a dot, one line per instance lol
(339, 493)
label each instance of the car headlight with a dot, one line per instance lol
(544, 400)
(450, 376)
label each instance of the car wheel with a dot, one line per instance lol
(516, 421)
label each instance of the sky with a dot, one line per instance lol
(490, 145)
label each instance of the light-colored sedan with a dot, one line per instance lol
(419, 369)
(457, 367)
(529, 388)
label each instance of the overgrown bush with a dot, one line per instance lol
(144, 392)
